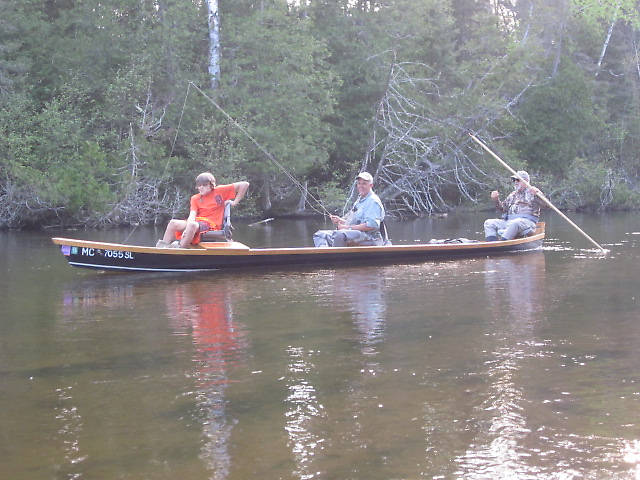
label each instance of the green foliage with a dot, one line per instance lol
(353, 36)
(93, 118)
(555, 121)
(592, 186)
(597, 11)
(332, 195)
(624, 197)
(281, 88)
(80, 185)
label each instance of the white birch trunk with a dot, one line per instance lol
(635, 48)
(214, 42)
(606, 43)
(303, 198)
(526, 32)
(266, 199)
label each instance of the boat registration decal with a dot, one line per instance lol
(118, 254)
(99, 252)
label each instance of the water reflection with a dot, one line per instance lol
(355, 306)
(516, 367)
(303, 411)
(81, 300)
(204, 309)
(90, 296)
(69, 431)
(514, 288)
(631, 455)
(361, 292)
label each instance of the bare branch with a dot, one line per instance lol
(420, 139)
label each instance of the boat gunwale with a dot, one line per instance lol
(221, 248)
(236, 248)
(421, 247)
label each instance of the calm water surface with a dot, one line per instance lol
(519, 366)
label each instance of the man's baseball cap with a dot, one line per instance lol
(365, 176)
(521, 174)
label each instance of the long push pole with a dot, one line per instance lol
(538, 193)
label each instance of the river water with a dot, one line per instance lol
(517, 366)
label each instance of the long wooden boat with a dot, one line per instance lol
(231, 255)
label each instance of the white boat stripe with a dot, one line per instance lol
(115, 267)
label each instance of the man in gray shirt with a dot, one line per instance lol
(362, 225)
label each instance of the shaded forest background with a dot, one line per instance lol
(101, 122)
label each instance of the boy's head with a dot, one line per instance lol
(206, 178)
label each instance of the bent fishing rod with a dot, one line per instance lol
(289, 175)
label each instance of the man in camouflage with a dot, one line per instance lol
(521, 211)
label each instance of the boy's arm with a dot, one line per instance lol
(241, 189)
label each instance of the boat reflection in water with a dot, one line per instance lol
(204, 309)
(362, 291)
(75, 315)
(515, 291)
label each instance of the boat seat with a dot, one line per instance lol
(386, 241)
(224, 235)
(217, 235)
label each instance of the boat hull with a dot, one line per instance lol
(224, 256)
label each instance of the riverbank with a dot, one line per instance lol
(248, 219)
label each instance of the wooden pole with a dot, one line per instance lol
(538, 193)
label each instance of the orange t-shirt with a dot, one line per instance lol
(210, 207)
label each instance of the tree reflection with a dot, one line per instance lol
(303, 409)
(514, 287)
(206, 310)
(356, 307)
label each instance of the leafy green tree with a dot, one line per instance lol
(96, 128)
(276, 82)
(556, 120)
(359, 59)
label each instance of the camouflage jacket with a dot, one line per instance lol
(521, 203)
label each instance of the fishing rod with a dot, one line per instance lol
(289, 175)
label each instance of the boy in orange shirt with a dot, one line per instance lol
(206, 211)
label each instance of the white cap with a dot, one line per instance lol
(365, 176)
(521, 174)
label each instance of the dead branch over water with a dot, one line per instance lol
(426, 160)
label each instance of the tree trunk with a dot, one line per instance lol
(214, 42)
(303, 198)
(563, 24)
(606, 42)
(266, 197)
(635, 49)
(526, 30)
